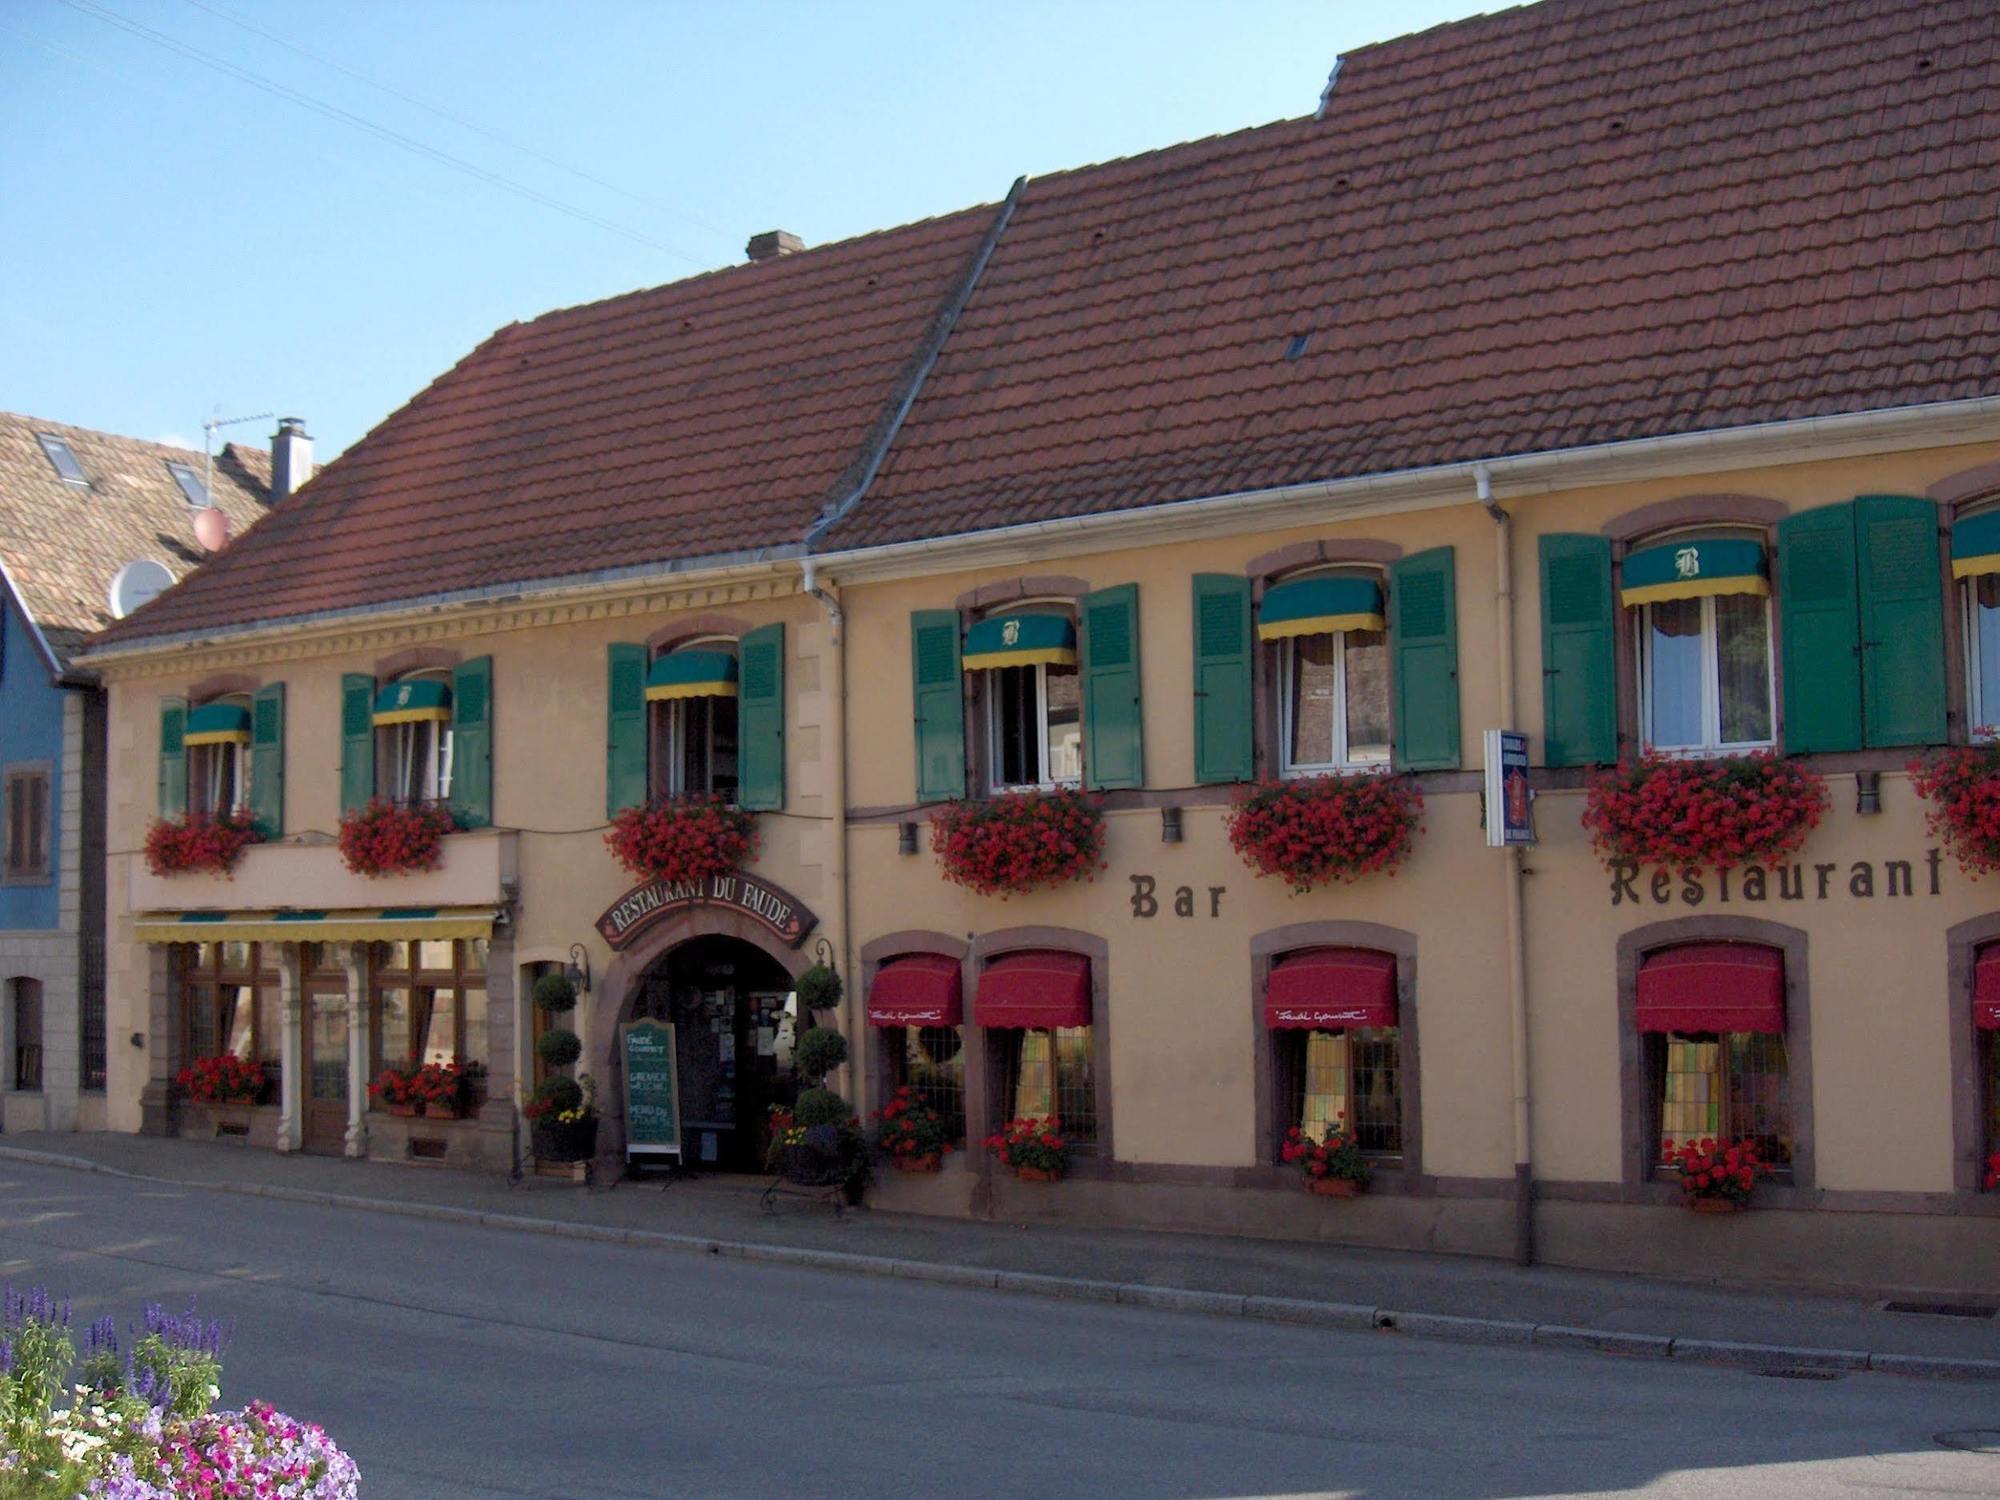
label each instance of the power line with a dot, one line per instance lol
(394, 137)
(456, 119)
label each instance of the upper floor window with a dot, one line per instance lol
(413, 738)
(691, 698)
(218, 757)
(1033, 706)
(1332, 669)
(25, 814)
(1975, 562)
(1704, 642)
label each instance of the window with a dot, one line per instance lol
(1334, 1018)
(230, 1002)
(26, 816)
(1049, 1072)
(691, 698)
(1704, 642)
(191, 486)
(413, 738)
(1989, 1087)
(217, 741)
(931, 1061)
(427, 1004)
(1331, 650)
(1712, 1018)
(63, 461)
(1032, 701)
(1038, 1007)
(1975, 562)
(24, 1002)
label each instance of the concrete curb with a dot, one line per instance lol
(1300, 1311)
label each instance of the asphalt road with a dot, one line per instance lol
(468, 1361)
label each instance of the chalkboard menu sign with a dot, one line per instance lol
(652, 1103)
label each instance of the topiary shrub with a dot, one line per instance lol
(819, 1106)
(555, 993)
(558, 1048)
(819, 988)
(559, 1095)
(818, 1052)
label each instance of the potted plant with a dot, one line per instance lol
(1020, 841)
(911, 1132)
(227, 1087)
(563, 1119)
(692, 838)
(1312, 830)
(1032, 1147)
(1715, 1178)
(394, 838)
(1962, 786)
(1333, 1165)
(397, 1092)
(199, 842)
(441, 1089)
(1687, 814)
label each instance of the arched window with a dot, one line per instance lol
(1333, 1017)
(217, 741)
(1331, 664)
(413, 737)
(1975, 563)
(1038, 1006)
(691, 700)
(915, 1005)
(1712, 1020)
(1033, 706)
(1703, 634)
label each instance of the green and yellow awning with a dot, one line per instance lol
(1694, 568)
(1315, 606)
(1024, 640)
(1975, 545)
(378, 925)
(413, 702)
(692, 674)
(218, 724)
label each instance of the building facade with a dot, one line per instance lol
(1165, 481)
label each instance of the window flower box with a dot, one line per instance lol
(394, 838)
(1717, 813)
(223, 1079)
(1962, 786)
(199, 842)
(692, 838)
(911, 1132)
(1314, 830)
(1331, 1167)
(1032, 1148)
(1018, 842)
(1716, 1176)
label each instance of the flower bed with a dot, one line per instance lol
(1716, 813)
(1020, 841)
(1316, 829)
(1032, 1147)
(1333, 1159)
(1962, 786)
(199, 842)
(223, 1079)
(1715, 1173)
(688, 838)
(394, 838)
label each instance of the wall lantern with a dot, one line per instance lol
(1867, 791)
(906, 838)
(1170, 825)
(579, 968)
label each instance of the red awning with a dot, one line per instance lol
(1326, 989)
(1035, 989)
(918, 989)
(1713, 987)
(1986, 989)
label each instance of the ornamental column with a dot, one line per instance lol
(291, 1048)
(354, 961)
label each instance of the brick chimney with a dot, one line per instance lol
(291, 458)
(773, 243)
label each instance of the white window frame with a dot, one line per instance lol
(222, 764)
(425, 740)
(675, 730)
(1711, 688)
(1979, 716)
(1288, 712)
(993, 709)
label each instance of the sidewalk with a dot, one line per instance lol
(1427, 1295)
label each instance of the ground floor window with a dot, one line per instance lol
(1051, 1072)
(1989, 1047)
(930, 1060)
(1723, 1086)
(91, 1028)
(230, 1002)
(427, 1004)
(1352, 1075)
(24, 1003)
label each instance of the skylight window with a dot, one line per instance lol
(64, 461)
(189, 482)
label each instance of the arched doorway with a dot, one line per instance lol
(730, 1004)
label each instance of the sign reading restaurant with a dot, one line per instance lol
(644, 905)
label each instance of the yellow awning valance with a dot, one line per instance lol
(375, 925)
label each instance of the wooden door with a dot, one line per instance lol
(325, 1101)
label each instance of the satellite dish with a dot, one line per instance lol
(211, 528)
(138, 581)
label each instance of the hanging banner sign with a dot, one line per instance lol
(1509, 802)
(643, 905)
(652, 1101)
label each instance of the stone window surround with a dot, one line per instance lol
(977, 604)
(9, 774)
(1266, 948)
(1969, 1144)
(1637, 1146)
(876, 1067)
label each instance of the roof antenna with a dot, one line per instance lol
(208, 444)
(1326, 94)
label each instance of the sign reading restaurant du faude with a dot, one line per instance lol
(644, 905)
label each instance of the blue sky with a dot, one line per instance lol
(181, 237)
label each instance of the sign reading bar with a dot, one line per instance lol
(652, 1102)
(643, 905)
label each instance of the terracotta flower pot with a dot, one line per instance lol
(408, 1111)
(1717, 1205)
(1037, 1174)
(1334, 1187)
(928, 1163)
(436, 1111)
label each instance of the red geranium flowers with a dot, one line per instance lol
(1962, 786)
(1710, 1169)
(223, 1079)
(688, 838)
(394, 838)
(1692, 813)
(1020, 841)
(199, 842)
(1318, 829)
(1032, 1142)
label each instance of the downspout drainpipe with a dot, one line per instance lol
(1517, 963)
(833, 754)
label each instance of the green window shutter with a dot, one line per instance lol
(357, 740)
(760, 718)
(173, 757)
(1579, 654)
(1113, 726)
(1423, 638)
(472, 742)
(267, 761)
(1820, 620)
(1901, 572)
(1223, 743)
(625, 729)
(939, 704)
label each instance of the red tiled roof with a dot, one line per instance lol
(702, 418)
(1575, 223)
